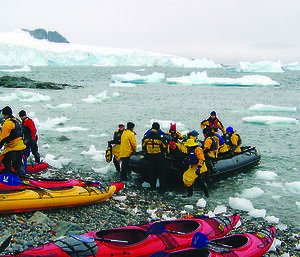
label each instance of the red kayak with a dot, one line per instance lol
(33, 168)
(10, 182)
(253, 244)
(140, 240)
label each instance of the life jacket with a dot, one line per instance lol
(16, 132)
(174, 135)
(214, 144)
(26, 130)
(239, 142)
(153, 143)
(213, 125)
(221, 139)
(192, 157)
(117, 136)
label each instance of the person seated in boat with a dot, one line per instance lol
(155, 147)
(116, 148)
(128, 147)
(223, 147)
(30, 137)
(233, 142)
(197, 166)
(176, 136)
(213, 123)
(174, 144)
(11, 138)
(210, 147)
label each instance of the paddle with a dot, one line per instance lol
(159, 227)
(12, 180)
(86, 239)
(201, 240)
(5, 243)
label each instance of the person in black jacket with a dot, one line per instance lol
(155, 147)
(116, 148)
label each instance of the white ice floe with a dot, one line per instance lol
(220, 209)
(201, 78)
(133, 78)
(272, 219)
(258, 213)
(271, 120)
(25, 68)
(60, 106)
(201, 203)
(271, 108)
(57, 163)
(121, 84)
(251, 193)
(240, 204)
(25, 95)
(51, 123)
(102, 170)
(294, 185)
(266, 175)
(101, 97)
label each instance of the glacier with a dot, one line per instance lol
(18, 48)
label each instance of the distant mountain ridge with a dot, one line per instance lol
(52, 36)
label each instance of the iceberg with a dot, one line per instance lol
(133, 78)
(201, 79)
(18, 48)
(263, 66)
(292, 66)
(271, 108)
(271, 120)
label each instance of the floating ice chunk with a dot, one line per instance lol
(253, 192)
(91, 151)
(276, 197)
(201, 203)
(272, 219)
(256, 213)
(25, 96)
(263, 66)
(102, 170)
(70, 129)
(133, 78)
(101, 97)
(121, 84)
(211, 214)
(50, 158)
(271, 120)
(276, 243)
(25, 68)
(240, 204)
(60, 106)
(294, 185)
(298, 204)
(220, 209)
(292, 66)
(201, 78)
(50, 123)
(165, 124)
(271, 108)
(189, 207)
(266, 175)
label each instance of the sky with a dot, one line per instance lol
(225, 31)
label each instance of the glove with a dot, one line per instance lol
(198, 171)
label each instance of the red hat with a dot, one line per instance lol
(173, 126)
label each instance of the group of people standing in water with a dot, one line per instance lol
(19, 138)
(157, 145)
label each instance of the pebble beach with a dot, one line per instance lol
(132, 205)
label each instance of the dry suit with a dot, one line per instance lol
(155, 147)
(197, 167)
(11, 138)
(213, 124)
(234, 142)
(116, 148)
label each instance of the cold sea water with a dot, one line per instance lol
(74, 125)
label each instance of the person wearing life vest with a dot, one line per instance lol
(197, 166)
(234, 142)
(30, 137)
(223, 147)
(12, 139)
(116, 148)
(174, 133)
(127, 148)
(213, 123)
(210, 147)
(155, 147)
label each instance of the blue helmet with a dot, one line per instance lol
(229, 129)
(194, 133)
(213, 113)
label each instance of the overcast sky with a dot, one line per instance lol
(222, 30)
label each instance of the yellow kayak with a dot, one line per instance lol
(42, 199)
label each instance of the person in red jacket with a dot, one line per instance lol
(30, 137)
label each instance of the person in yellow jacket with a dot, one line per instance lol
(210, 147)
(213, 123)
(197, 166)
(127, 148)
(234, 142)
(11, 138)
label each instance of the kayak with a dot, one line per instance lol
(175, 166)
(9, 182)
(33, 168)
(23, 200)
(253, 244)
(139, 240)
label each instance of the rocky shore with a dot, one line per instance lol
(132, 205)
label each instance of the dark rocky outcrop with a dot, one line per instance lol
(23, 82)
(52, 36)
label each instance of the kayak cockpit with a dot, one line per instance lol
(234, 242)
(182, 226)
(121, 237)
